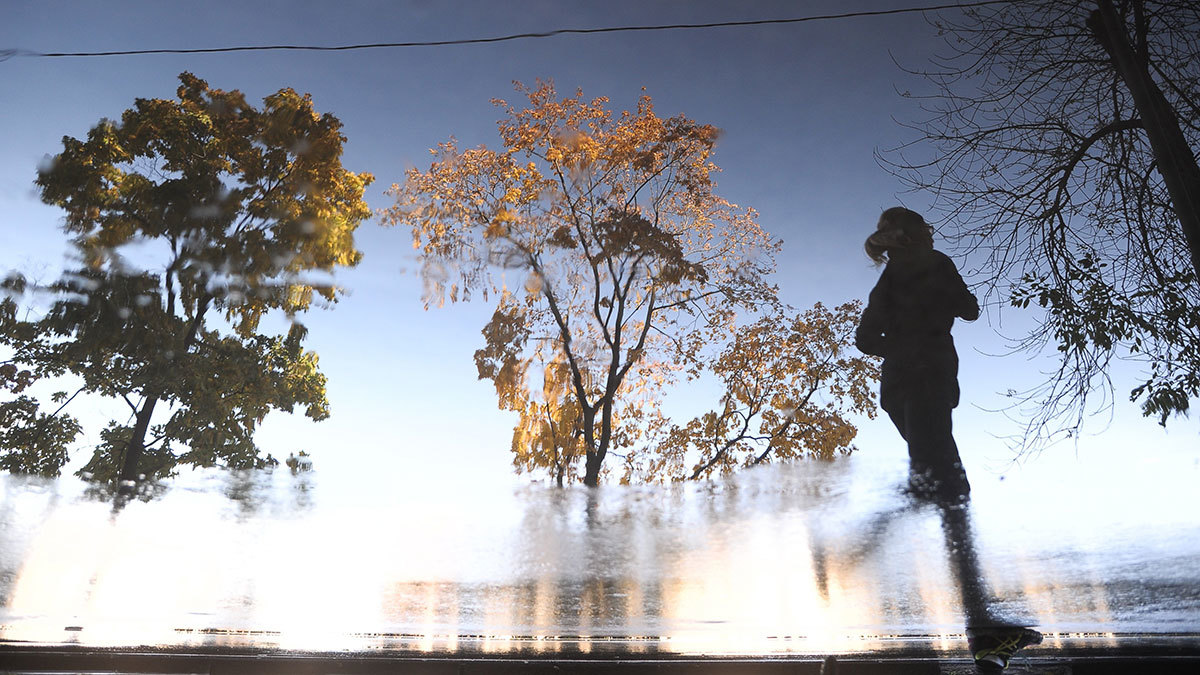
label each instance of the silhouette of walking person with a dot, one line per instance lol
(907, 321)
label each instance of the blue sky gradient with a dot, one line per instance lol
(802, 109)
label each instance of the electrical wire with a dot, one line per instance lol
(8, 53)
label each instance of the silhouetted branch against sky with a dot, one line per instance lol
(1056, 177)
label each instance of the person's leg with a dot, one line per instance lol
(936, 467)
(992, 640)
(964, 564)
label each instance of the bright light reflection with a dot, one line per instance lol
(741, 572)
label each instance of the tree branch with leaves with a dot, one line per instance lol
(792, 380)
(631, 264)
(244, 211)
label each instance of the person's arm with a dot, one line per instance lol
(962, 300)
(870, 337)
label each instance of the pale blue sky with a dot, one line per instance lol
(802, 108)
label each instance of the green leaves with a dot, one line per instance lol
(34, 442)
(246, 208)
(105, 463)
(247, 198)
(1089, 314)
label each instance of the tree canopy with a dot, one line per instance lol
(791, 382)
(615, 267)
(1057, 143)
(192, 219)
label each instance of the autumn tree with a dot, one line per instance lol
(192, 220)
(791, 382)
(547, 435)
(1059, 143)
(626, 264)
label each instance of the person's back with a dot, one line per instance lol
(909, 316)
(925, 295)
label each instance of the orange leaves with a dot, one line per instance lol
(580, 164)
(630, 262)
(501, 360)
(548, 122)
(466, 198)
(789, 386)
(499, 227)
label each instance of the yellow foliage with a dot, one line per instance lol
(632, 263)
(790, 383)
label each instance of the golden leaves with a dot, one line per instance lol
(789, 388)
(630, 262)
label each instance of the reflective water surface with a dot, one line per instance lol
(804, 558)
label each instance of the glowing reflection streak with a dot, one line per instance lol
(645, 570)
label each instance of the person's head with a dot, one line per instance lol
(898, 229)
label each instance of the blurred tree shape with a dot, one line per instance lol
(629, 269)
(192, 219)
(299, 463)
(31, 441)
(1063, 137)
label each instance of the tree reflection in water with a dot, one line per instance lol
(790, 559)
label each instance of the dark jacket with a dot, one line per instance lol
(907, 321)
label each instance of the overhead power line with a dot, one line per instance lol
(7, 53)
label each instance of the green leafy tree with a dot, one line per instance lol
(31, 441)
(192, 220)
(1064, 140)
(632, 265)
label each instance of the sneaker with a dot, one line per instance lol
(993, 648)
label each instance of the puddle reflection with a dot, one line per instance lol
(786, 559)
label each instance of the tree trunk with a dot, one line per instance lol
(595, 460)
(594, 456)
(591, 476)
(1174, 157)
(128, 476)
